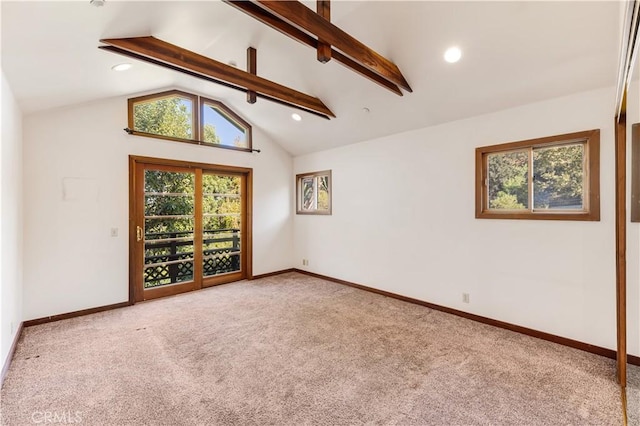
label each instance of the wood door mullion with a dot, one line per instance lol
(198, 269)
(139, 245)
(245, 239)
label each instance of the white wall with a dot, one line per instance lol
(10, 219)
(403, 221)
(71, 261)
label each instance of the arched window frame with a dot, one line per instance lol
(197, 111)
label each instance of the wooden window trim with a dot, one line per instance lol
(299, 178)
(592, 198)
(197, 124)
(163, 95)
(231, 116)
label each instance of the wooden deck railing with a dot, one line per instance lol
(169, 255)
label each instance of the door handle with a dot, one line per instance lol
(138, 233)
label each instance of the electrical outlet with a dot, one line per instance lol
(465, 297)
(114, 232)
(305, 262)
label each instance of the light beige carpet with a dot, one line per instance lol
(291, 350)
(633, 394)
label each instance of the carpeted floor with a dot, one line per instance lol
(291, 350)
(633, 394)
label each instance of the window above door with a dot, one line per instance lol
(184, 117)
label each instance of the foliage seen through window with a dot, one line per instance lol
(184, 117)
(540, 178)
(314, 193)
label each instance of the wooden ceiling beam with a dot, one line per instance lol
(174, 57)
(252, 68)
(301, 16)
(324, 49)
(132, 55)
(291, 31)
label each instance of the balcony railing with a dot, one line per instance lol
(167, 262)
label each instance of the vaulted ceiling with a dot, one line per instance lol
(514, 53)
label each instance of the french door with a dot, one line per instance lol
(190, 226)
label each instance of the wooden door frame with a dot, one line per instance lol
(630, 43)
(139, 221)
(135, 161)
(621, 246)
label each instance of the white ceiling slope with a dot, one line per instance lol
(514, 53)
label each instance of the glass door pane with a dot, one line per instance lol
(221, 224)
(169, 221)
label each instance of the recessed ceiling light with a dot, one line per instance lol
(453, 54)
(296, 117)
(121, 67)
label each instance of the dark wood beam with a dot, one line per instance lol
(204, 77)
(162, 53)
(289, 30)
(252, 68)
(324, 49)
(298, 14)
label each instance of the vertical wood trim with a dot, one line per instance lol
(480, 174)
(323, 8)
(197, 131)
(252, 68)
(621, 247)
(635, 173)
(130, 105)
(594, 174)
(138, 246)
(132, 228)
(248, 224)
(530, 178)
(198, 267)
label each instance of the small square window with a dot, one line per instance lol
(313, 193)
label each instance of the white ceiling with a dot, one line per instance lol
(514, 53)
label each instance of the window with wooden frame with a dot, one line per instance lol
(220, 125)
(184, 117)
(313, 193)
(556, 178)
